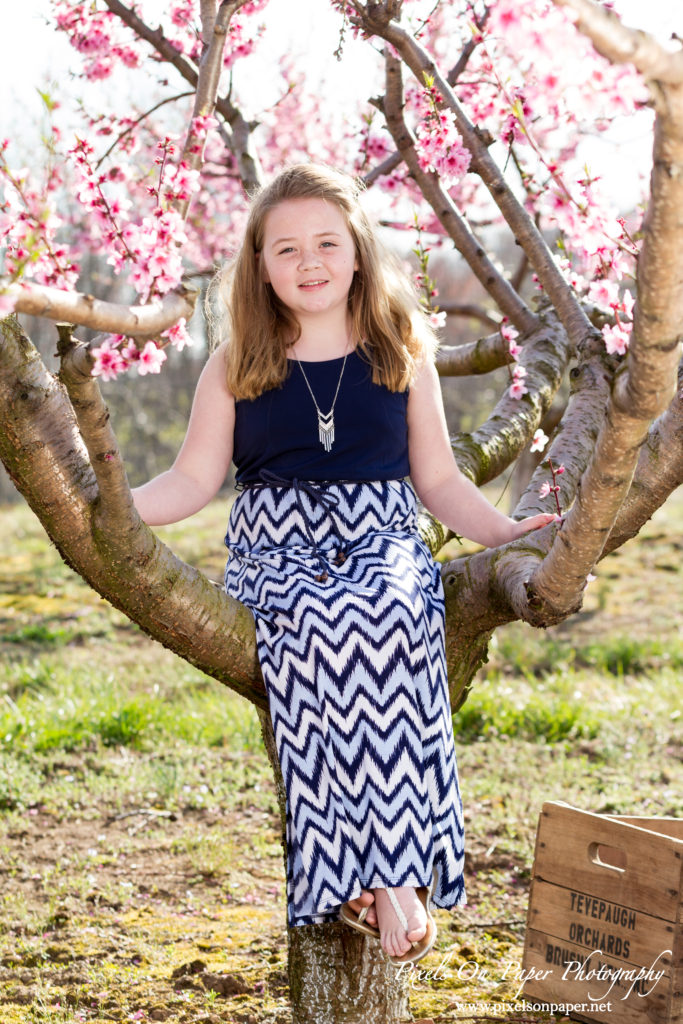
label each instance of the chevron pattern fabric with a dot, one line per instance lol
(354, 667)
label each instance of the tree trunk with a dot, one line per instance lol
(336, 975)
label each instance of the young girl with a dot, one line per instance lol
(327, 398)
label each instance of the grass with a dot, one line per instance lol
(139, 827)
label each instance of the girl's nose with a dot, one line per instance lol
(309, 258)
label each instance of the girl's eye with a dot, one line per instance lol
(328, 243)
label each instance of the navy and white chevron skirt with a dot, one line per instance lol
(354, 666)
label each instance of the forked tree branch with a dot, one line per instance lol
(377, 18)
(43, 450)
(214, 32)
(498, 287)
(623, 45)
(240, 130)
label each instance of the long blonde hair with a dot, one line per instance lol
(395, 334)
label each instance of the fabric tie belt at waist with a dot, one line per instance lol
(328, 502)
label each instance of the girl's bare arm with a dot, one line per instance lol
(438, 482)
(203, 460)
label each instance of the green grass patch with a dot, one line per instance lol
(541, 716)
(520, 650)
(46, 706)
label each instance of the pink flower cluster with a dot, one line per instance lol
(29, 228)
(517, 387)
(617, 338)
(151, 246)
(440, 148)
(98, 36)
(117, 353)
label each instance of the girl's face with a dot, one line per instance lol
(309, 257)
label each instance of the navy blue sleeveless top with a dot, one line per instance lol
(278, 430)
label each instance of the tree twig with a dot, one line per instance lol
(469, 309)
(137, 121)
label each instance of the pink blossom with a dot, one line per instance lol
(178, 335)
(605, 292)
(544, 489)
(151, 359)
(517, 389)
(108, 361)
(509, 332)
(539, 442)
(617, 338)
(437, 319)
(627, 303)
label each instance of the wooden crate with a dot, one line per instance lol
(605, 920)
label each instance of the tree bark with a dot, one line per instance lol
(43, 451)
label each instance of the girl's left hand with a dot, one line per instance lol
(533, 523)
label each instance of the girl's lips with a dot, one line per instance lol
(312, 284)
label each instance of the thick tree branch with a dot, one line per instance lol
(476, 357)
(574, 439)
(454, 224)
(86, 310)
(490, 449)
(43, 451)
(623, 45)
(658, 473)
(376, 17)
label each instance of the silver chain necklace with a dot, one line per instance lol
(325, 422)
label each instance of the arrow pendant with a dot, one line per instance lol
(326, 429)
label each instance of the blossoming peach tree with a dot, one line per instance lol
(475, 118)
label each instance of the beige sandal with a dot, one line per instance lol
(421, 946)
(357, 920)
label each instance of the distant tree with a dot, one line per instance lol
(478, 121)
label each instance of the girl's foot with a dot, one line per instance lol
(396, 940)
(366, 899)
